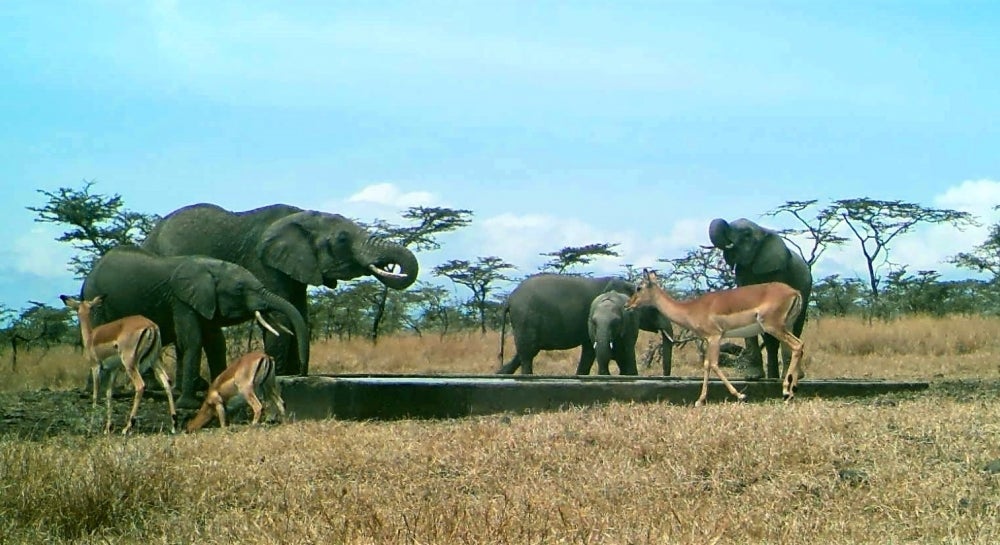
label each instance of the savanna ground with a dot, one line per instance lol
(909, 468)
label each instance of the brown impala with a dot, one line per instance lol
(136, 340)
(741, 312)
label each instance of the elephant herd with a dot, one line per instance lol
(556, 312)
(203, 268)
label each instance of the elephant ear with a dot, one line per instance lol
(287, 246)
(193, 284)
(772, 256)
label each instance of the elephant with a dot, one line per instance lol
(549, 312)
(758, 255)
(191, 298)
(287, 249)
(613, 331)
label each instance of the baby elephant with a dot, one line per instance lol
(242, 377)
(614, 331)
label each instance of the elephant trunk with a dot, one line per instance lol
(604, 346)
(718, 233)
(299, 327)
(392, 264)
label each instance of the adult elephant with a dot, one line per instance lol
(613, 331)
(549, 312)
(288, 249)
(758, 255)
(191, 298)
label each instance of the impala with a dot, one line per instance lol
(742, 312)
(136, 340)
(242, 377)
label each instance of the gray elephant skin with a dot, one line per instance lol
(758, 255)
(288, 249)
(191, 298)
(613, 332)
(549, 312)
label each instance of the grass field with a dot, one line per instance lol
(901, 469)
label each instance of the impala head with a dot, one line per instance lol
(644, 290)
(82, 308)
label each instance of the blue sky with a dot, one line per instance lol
(556, 123)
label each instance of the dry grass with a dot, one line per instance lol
(895, 470)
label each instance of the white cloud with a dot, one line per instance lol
(977, 197)
(520, 239)
(37, 253)
(388, 194)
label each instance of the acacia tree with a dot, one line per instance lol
(819, 229)
(572, 256)
(98, 223)
(37, 324)
(699, 271)
(876, 223)
(480, 278)
(984, 257)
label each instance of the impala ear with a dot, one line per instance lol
(69, 301)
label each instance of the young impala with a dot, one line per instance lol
(136, 340)
(243, 376)
(742, 312)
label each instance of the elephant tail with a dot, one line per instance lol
(503, 329)
(148, 350)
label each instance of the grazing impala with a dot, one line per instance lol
(136, 340)
(242, 377)
(742, 312)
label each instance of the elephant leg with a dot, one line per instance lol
(188, 346)
(583, 368)
(626, 363)
(666, 353)
(771, 347)
(528, 363)
(215, 351)
(587, 356)
(755, 364)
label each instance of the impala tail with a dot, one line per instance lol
(147, 349)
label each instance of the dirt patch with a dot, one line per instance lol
(38, 414)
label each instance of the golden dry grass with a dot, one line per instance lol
(905, 469)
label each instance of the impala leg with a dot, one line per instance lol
(271, 393)
(712, 357)
(791, 381)
(95, 379)
(112, 375)
(713, 346)
(220, 411)
(164, 380)
(254, 402)
(140, 387)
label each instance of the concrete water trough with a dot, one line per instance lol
(362, 397)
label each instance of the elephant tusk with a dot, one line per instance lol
(264, 323)
(612, 345)
(384, 273)
(595, 345)
(728, 246)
